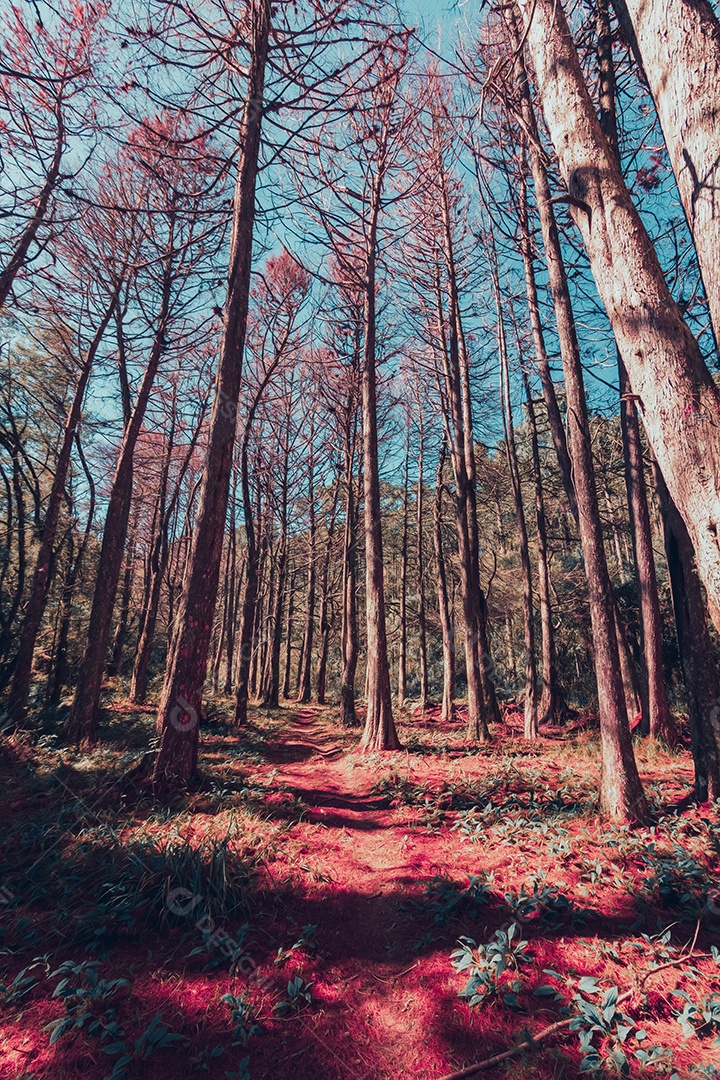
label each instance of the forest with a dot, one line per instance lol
(359, 539)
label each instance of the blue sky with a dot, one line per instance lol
(432, 12)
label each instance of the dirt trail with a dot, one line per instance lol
(386, 1005)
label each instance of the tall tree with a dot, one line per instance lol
(305, 77)
(678, 47)
(279, 297)
(656, 710)
(168, 184)
(444, 607)
(37, 599)
(530, 702)
(621, 794)
(180, 704)
(677, 396)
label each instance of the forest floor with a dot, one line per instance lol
(294, 917)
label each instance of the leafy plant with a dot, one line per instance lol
(606, 1021)
(679, 882)
(657, 1058)
(203, 1060)
(299, 994)
(491, 967)
(701, 1018)
(444, 900)
(243, 1071)
(83, 993)
(156, 1036)
(23, 983)
(243, 1018)
(304, 943)
(545, 903)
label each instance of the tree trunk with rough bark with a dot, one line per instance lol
(477, 719)
(305, 669)
(678, 45)
(123, 624)
(448, 631)
(379, 733)
(420, 575)
(180, 706)
(657, 720)
(697, 656)
(324, 614)
(552, 708)
(530, 701)
(287, 672)
(660, 723)
(61, 666)
(621, 793)
(466, 444)
(402, 607)
(678, 399)
(349, 637)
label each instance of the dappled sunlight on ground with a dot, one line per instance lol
(325, 891)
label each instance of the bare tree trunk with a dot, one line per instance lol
(448, 632)
(271, 694)
(678, 46)
(60, 671)
(660, 721)
(247, 640)
(402, 607)
(700, 675)
(288, 635)
(272, 691)
(568, 338)
(552, 708)
(420, 574)
(633, 705)
(305, 670)
(379, 733)
(557, 429)
(483, 638)
(324, 620)
(179, 712)
(349, 638)
(477, 721)
(679, 401)
(121, 630)
(657, 719)
(231, 594)
(159, 560)
(530, 704)
(220, 636)
(325, 628)
(259, 638)
(37, 599)
(621, 794)
(479, 640)
(81, 725)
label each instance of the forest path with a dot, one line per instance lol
(361, 868)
